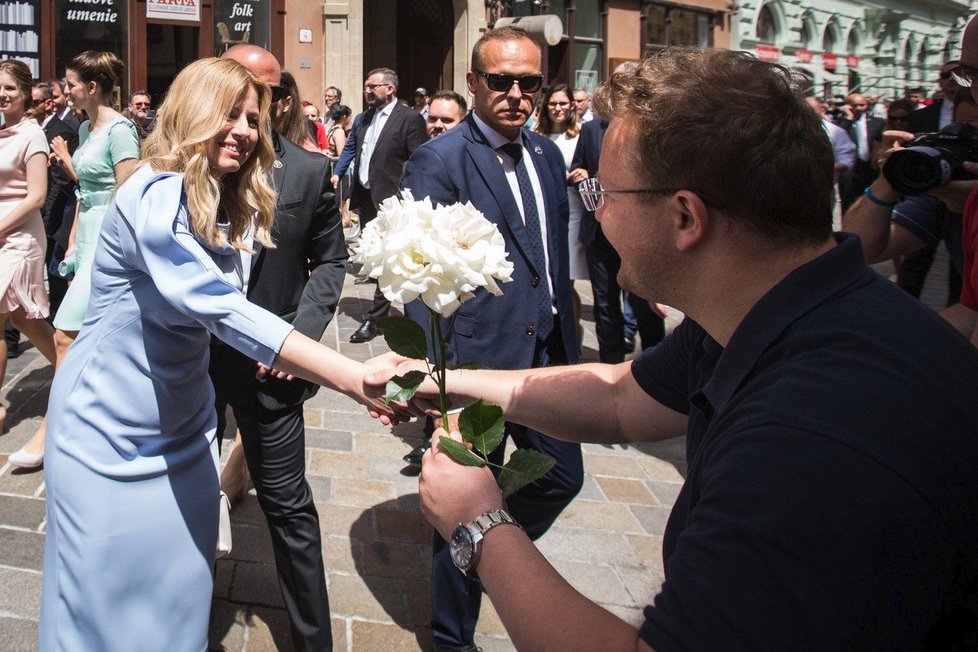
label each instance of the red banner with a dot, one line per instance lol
(852, 61)
(804, 56)
(830, 61)
(767, 52)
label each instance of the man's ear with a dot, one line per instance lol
(470, 81)
(693, 219)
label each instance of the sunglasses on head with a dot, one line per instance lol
(278, 92)
(502, 83)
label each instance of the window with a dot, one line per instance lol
(766, 25)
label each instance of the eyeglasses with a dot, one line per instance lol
(944, 75)
(558, 105)
(592, 194)
(503, 83)
(964, 75)
(144, 105)
(371, 87)
(278, 92)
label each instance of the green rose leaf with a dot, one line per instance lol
(482, 425)
(460, 452)
(402, 388)
(524, 466)
(404, 337)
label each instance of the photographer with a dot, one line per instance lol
(890, 225)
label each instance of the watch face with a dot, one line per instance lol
(461, 547)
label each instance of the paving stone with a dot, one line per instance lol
(227, 625)
(653, 519)
(388, 559)
(338, 553)
(489, 622)
(247, 511)
(385, 445)
(402, 526)
(256, 584)
(631, 615)
(615, 466)
(338, 519)
(641, 584)
(20, 512)
(590, 490)
(384, 636)
(659, 470)
(311, 416)
(363, 493)
(599, 515)
(21, 594)
(223, 575)
(648, 549)
(493, 643)
(665, 492)
(341, 634)
(21, 549)
(250, 543)
(335, 440)
(591, 546)
(268, 630)
(18, 635)
(380, 599)
(598, 582)
(336, 464)
(20, 482)
(623, 490)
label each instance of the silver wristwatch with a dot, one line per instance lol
(466, 541)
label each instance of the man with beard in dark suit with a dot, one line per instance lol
(300, 280)
(382, 139)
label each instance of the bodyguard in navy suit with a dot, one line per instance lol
(517, 180)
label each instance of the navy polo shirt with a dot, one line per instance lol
(831, 499)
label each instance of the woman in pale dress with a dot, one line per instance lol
(108, 150)
(23, 189)
(558, 121)
(131, 457)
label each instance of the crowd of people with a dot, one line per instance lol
(191, 257)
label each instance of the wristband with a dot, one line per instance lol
(876, 200)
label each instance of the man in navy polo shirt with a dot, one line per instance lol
(831, 500)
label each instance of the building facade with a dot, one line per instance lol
(843, 45)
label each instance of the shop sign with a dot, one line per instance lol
(768, 52)
(241, 21)
(174, 9)
(81, 12)
(830, 61)
(852, 61)
(804, 56)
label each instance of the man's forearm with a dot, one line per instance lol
(515, 575)
(870, 221)
(964, 320)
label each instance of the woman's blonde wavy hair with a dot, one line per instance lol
(196, 108)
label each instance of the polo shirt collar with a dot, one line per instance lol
(835, 272)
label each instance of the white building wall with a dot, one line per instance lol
(899, 44)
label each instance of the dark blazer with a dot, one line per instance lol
(61, 187)
(586, 156)
(874, 130)
(300, 280)
(461, 166)
(403, 132)
(927, 119)
(69, 119)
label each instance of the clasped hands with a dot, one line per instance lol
(954, 194)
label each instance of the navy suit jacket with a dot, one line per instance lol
(461, 166)
(586, 156)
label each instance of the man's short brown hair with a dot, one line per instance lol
(507, 33)
(452, 96)
(734, 129)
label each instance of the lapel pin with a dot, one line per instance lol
(277, 164)
(538, 149)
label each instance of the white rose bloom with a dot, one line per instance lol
(442, 255)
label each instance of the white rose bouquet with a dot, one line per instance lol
(442, 256)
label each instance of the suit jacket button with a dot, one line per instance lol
(535, 281)
(532, 330)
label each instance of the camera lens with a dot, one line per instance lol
(915, 170)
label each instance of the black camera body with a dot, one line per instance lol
(931, 160)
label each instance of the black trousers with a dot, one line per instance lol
(274, 446)
(380, 307)
(455, 599)
(603, 264)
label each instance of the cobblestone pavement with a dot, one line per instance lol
(375, 542)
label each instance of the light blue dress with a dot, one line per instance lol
(130, 458)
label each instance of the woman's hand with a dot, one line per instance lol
(576, 176)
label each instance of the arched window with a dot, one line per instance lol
(808, 32)
(830, 38)
(767, 28)
(853, 42)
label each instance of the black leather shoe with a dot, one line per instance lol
(471, 647)
(362, 280)
(414, 457)
(629, 343)
(366, 332)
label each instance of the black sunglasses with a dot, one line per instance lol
(944, 75)
(278, 92)
(502, 83)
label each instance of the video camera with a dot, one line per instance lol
(933, 159)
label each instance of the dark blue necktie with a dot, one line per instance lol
(534, 241)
